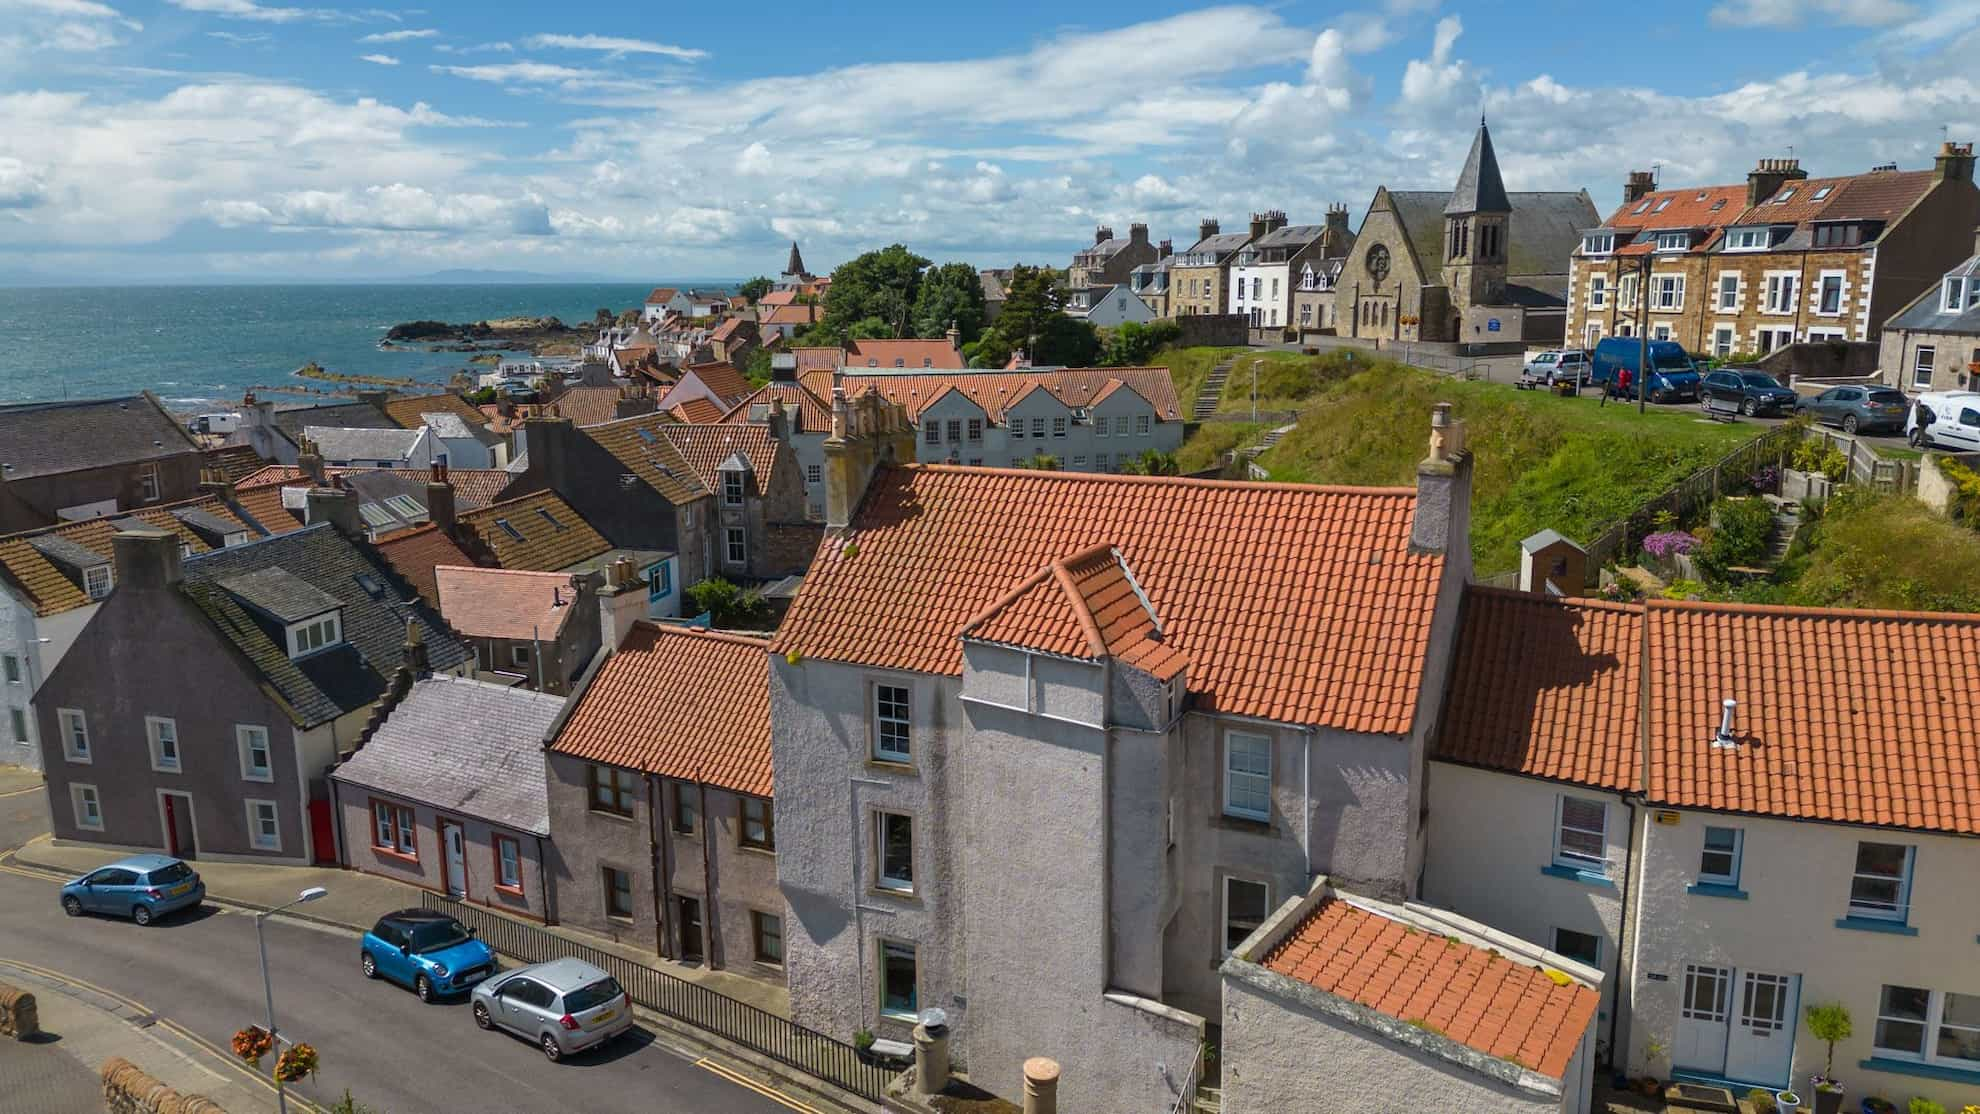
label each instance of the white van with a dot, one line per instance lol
(1945, 420)
(226, 422)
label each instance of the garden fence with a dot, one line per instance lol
(1696, 491)
(731, 1019)
(1866, 467)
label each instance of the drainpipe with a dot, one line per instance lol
(653, 852)
(710, 933)
(543, 887)
(1306, 800)
(1618, 1059)
(663, 870)
(336, 819)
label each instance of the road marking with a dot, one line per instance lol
(742, 1080)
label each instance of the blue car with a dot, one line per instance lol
(142, 887)
(430, 952)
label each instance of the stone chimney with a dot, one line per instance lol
(783, 367)
(1165, 249)
(954, 336)
(1954, 164)
(146, 559)
(258, 425)
(311, 461)
(621, 602)
(1442, 520)
(549, 440)
(1101, 235)
(1206, 228)
(338, 507)
(1267, 222)
(867, 433)
(375, 399)
(1337, 218)
(1637, 184)
(631, 403)
(214, 482)
(1770, 175)
(414, 650)
(440, 499)
(1137, 233)
(779, 420)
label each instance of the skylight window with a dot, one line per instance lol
(1785, 195)
(406, 506)
(376, 517)
(647, 436)
(1662, 205)
(506, 525)
(1643, 208)
(1719, 204)
(550, 518)
(1820, 193)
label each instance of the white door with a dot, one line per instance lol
(456, 880)
(1702, 1016)
(1760, 1048)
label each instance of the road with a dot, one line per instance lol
(396, 1055)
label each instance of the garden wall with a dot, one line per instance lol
(19, 1018)
(128, 1089)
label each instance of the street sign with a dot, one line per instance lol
(1492, 325)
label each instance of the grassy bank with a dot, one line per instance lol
(1877, 551)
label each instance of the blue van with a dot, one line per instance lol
(1672, 376)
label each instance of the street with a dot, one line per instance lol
(200, 970)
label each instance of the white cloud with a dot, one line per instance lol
(1437, 81)
(476, 48)
(31, 27)
(378, 59)
(394, 208)
(1793, 13)
(248, 9)
(240, 38)
(400, 36)
(612, 45)
(20, 184)
(525, 73)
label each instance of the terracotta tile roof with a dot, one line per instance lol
(903, 353)
(1861, 717)
(407, 410)
(1691, 207)
(995, 391)
(1880, 195)
(729, 328)
(1546, 688)
(264, 505)
(473, 487)
(813, 358)
(813, 414)
(505, 603)
(660, 295)
(415, 553)
(1295, 603)
(680, 703)
(697, 411)
(1085, 606)
(1112, 385)
(706, 446)
(791, 315)
(588, 405)
(638, 444)
(543, 533)
(778, 298)
(722, 378)
(50, 591)
(1473, 996)
(235, 462)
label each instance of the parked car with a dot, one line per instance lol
(565, 1006)
(1858, 409)
(430, 952)
(1556, 365)
(1747, 391)
(1669, 370)
(142, 887)
(1945, 420)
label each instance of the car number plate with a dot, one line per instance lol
(604, 1017)
(181, 888)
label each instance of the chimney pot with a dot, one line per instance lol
(1041, 1086)
(1102, 234)
(1725, 739)
(338, 507)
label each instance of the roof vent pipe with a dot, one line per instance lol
(1725, 739)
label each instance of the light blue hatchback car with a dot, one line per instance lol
(142, 887)
(429, 951)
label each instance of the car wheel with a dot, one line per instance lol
(1749, 408)
(368, 965)
(481, 1017)
(1849, 424)
(423, 987)
(552, 1051)
(141, 914)
(72, 905)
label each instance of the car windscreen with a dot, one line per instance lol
(1671, 364)
(588, 997)
(1758, 379)
(1886, 398)
(168, 875)
(432, 936)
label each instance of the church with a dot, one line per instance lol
(1476, 265)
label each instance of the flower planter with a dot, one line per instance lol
(1828, 1101)
(1788, 1101)
(1874, 1105)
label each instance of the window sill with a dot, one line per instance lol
(624, 817)
(1926, 1071)
(679, 834)
(1871, 924)
(1585, 877)
(390, 853)
(754, 849)
(1715, 889)
(903, 897)
(267, 779)
(888, 766)
(1241, 824)
(512, 891)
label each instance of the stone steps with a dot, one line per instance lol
(1212, 391)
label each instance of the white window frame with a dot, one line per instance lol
(1673, 241)
(255, 840)
(243, 732)
(1601, 243)
(508, 863)
(1224, 922)
(519, 655)
(1748, 239)
(98, 581)
(1250, 779)
(74, 725)
(1952, 298)
(156, 730)
(1822, 280)
(1626, 291)
(1737, 852)
(1783, 287)
(881, 880)
(931, 431)
(1059, 426)
(1667, 292)
(1598, 292)
(1869, 911)
(318, 632)
(814, 473)
(1575, 860)
(77, 792)
(1924, 361)
(735, 545)
(880, 979)
(1728, 293)
(881, 718)
(1723, 339)
(1932, 1023)
(149, 485)
(1141, 425)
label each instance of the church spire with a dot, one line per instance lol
(796, 264)
(1479, 188)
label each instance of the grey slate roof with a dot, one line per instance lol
(346, 415)
(1923, 313)
(447, 425)
(1479, 188)
(466, 748)
(50, 438)
(280, 593)
(206, 523)
(356, 443)
(1544, 229)
(1222, 244)
(62, 551)
(1291, 236)
(376, 604)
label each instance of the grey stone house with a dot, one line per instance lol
(445, 790)
(761, 507)
(1933, 344)
(1052, 744)
(659, 780)
(537, 629)
(1110, 259)
(62, 461)
(199, 711)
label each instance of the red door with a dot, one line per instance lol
(179, 840)
(322, 832)
(172, 826)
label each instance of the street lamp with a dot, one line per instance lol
(268, 988)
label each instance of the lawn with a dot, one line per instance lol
(1872, 550)
(1206, 448)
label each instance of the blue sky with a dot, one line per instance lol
(153, 139)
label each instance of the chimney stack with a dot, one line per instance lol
(783, 367)
(414, 650)
(622, 602)
(1101, 235)
(1165, 249)
(1206, 228)
(1442, 519)
(146, 559)
(1137, 233)
(1041, 1086)
(214, 482)
(779, 420)
(440, 499)
(549, 447)
(1954, 164)
(1337, 217)
(338, 507)
(1770, 175)
(1638, 183)
(310, 461)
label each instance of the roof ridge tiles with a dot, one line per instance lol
(732, 637)
(1788, 611)
(1117, 478)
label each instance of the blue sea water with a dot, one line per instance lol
(200, 345)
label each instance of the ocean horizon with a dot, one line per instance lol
(202, 346)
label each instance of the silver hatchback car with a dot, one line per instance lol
(565, 1006)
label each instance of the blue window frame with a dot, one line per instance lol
(659, 581)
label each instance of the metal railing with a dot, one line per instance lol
(731, 1019)
(1186, 1090)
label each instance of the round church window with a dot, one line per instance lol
(1378, 262)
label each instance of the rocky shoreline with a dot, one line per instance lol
(540, 336)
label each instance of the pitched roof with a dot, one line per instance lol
(410, 410)
(473, 487)
(730, 327)
(1546, 688)
(795, 314)
(1222, 244)
(722, 378)
(542, 533)
(994, 391)
(465, 747)
(1878, 195)
(282, 595)
(50, 591)
(588, 405)
(234, 462)
(1471, 995)
(1084, 606)
(292, 420)
(903, 353)
(661, 294)
(818, 358)
(505, 603)
(1545, 228)
(778, 298)
(1709, 207)
(1831, 703)
(812, 414)
(1479, 188)
(415, 553)
(637, 444)
(705, 447)
(680, 703)
(348, 443)
(697, 410)
(1291, 236)
(332, 682)
(1295, 603)
(50, 438)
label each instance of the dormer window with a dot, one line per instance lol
(1673, 241)
(97, 581)
(1747, 239)
(315, 634)
(732, 488)
(1955, 295)
(1598, 243)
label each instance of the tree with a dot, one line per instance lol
(756, 366)
(1133, 343)
(629, 317)
(728, 605)
(1042, 462)
(879, 285)
(1151, 463)
(951, 294)
(755, 289)
(1034, 322)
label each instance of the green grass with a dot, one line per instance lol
(1189, 367)
(1211, 441)
(1877, 551)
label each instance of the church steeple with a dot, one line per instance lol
(1477, 223)
(1479, 188)
(795, 266)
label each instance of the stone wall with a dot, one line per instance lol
(18, 1016)
(1220, 329)
(127, 1089)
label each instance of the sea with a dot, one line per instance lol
(202, 347)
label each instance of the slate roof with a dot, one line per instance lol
(284, 596)
(1291, 236)
(410, 411)
(705, 447)
(415, 553)
(994, 391)
(1085, 606)
(291, 421)
(1223, 244)
(1545, 688)
(1295, 603)
(332, 682)
(681, 703)
(637, 444)
(1471, 995)
(353, 443)
(1924, 313)
(505, 603)
(444, 424)
(908, 353)
(51, 438)
(50, 592)
(1545, 228)
(1479, 188)
(808, 412)
(543, 533)
(464, 747)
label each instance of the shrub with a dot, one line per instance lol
(1762, 1101)
(1965, 482)
(1663, 546)
(1829, 1022)
(1684, 590)
(1741, 531)
(728, 605)
(1922, 1105)
(1765, 481)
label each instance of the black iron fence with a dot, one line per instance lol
(781, 1039)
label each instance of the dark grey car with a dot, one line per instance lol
(1747, 391)
(1858, 409)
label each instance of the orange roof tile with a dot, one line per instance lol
(415, 553)
(504, 603)
(1295, 603)
(1546, 688)
(49, 590)
(408, 411)
(903, 353)
(994, 391)
(1690, 207)
(697, 411)
(638, 444)
(680, 703)
(1860, 717)
(1473, 996)
(1085, 606)
(722, 378)
(235, 462)
(543, 533)
(264, 505)
(705, 447)
(661, 294)
(588, 405)
(791, 315)
(815, 358)
(813, 414)
(778, 298)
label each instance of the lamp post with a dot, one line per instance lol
(268, 987)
